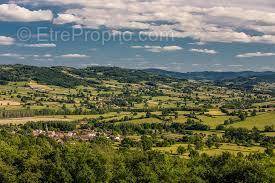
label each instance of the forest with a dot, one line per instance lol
(25, 158)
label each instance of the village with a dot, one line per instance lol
(82, 135)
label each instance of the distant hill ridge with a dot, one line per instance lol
(72, 77)
(214, 76)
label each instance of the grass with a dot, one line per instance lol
(31, 119)
(9, 103)
(172, 149)
(34, 85)
(51, 118)
(270, 134)
(215, 112)
(145, 120)
(214, 121)
(259, 121)
(231, 148)
(181, 119)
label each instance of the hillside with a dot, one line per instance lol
(216, 76)
(72, 77)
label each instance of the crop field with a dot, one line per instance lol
(259, 121)
(231, 148)
(214, 121)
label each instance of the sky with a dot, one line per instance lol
(176, 35)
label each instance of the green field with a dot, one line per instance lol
(259, 121)
(231, 148)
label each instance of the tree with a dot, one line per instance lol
(254, 113)
(181, 150)
(199, 145)
(269, 128)
(176, 115)
(269, 151)
(146, 143)
(242, 116)
(193, 153)
(209, 143)
(220, 127)
(217, 145)
(148, 114)
(127, 143)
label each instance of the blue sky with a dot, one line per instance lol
(177, 35)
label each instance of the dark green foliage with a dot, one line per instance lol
(72, 77)
(146, 142)
(43, 112)
(46, 75)
(181, 150)
(226, 168)
(269, 128)
(247, 137)
(24, 158)
(149, 128)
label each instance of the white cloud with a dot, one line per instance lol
(47, 55)
(9, 55)
(74, 56)
(137, 47)
(242, 14)
(204, 51)
(50, 45)
(235, 65)
(12, 55)
(257, 54)
(214, 21)
(197, 43)
(15, 13)
(66, 18)
(171, 48)
(77, 27)
(157, 49)
(6, 41)
(195, 64)
(43, 59)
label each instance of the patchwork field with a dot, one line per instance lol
(9, 103)
(231, 148)
(136, 110)
(259, 121)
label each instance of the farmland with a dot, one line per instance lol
(124, 111)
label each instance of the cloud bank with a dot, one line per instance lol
(204, 51)
(257, 54)
(15, 13)
(6, 41)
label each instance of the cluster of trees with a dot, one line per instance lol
(25, 158)
(149, 128)
(248, 137)
(44, 112)
(147, 142)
